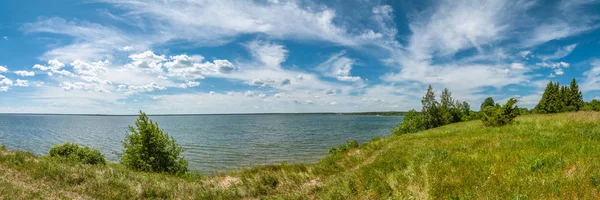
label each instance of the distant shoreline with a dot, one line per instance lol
(387, 113)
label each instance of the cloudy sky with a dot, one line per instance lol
(196, 56)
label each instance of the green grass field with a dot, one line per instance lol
(554, 156)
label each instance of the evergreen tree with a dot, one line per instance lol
(431, 110)
(576, 98)
(447, 107)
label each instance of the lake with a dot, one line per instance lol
(213, 142)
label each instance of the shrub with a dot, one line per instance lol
(351, 144)
(149, 148)
(413, 122)
(493, 116)
(78, 153)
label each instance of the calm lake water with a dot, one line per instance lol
(213, 142)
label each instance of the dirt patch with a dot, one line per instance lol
(569, 172)
(311, 183)
(228, 181)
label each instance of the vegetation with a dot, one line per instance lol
(494, 116)
(435, 114)
(351, 144)
(149, 148)
(552, 156)
(593, 105)
(77, 153)
(558, 98)
(487, 102)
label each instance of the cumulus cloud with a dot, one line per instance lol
(53, 67)
(189, 84)
(22, 83)
(147, 61)
(25, 73)
(3, 69)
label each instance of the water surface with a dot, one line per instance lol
(213, 142)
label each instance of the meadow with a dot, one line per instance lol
(550, 156)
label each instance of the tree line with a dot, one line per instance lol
(555, 99)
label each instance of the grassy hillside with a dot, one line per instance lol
(539, 157)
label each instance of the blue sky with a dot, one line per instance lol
(170, 57)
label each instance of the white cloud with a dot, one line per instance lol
(270, 54)
(591, 81)
(524, 54)
(517, 66)
(559, 72)
(339, 67)
(553, 65)
(132, 89)
(218, 22)
(6, 82)
(147, 62)
(560, 53)
(25, 73)
(54, 67)
(22, 83)
(189, 84)
(3, 69)
(68, 86)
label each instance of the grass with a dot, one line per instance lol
(555, 156)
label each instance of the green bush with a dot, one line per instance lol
(78, 153)
(351, 144)
(413, 122)
(494, 116)
(148, 148)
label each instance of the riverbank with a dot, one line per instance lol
(554, 156)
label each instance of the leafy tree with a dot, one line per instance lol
(149, 148)
(593, 105)
(504, 115)
(413, 122)
(487, 102)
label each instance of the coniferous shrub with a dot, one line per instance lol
(149, 148)
(77, 153)
(494, 116)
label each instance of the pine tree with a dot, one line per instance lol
(431, 109)
(446, 109)
(576, 98)
(542, 106)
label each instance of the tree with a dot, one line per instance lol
(149, 148)
(431, 110)
(487, 102)
(413, 122)
(493, 116)
(558, 98)
(447, 108)
(576, 96)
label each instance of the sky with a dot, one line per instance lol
(276, 56)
